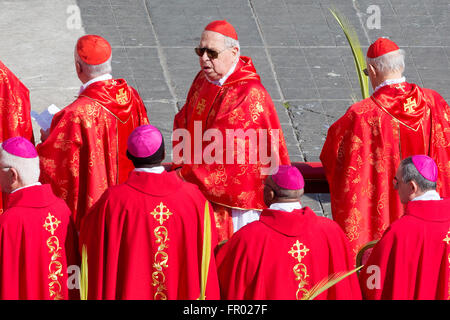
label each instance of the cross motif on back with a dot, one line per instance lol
(401, 87)
(409, 105)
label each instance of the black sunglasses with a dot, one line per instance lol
(366, 72)
(212, 54)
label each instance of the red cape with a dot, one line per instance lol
(240, 103)
(363, 150)
(283, 255)
(15, 117)
(413, 256)
(38, 242)
(86, 150)
(136, 253)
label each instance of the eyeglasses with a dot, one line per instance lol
(212, 54)
(366, 72)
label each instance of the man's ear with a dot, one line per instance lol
(235, 51)
(78, 67)
(414, 187)
(373, 70)
(14, 175)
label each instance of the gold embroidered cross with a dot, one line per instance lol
(409, 105)
(162, 214)
(298, 251)
(121, 97)
(51, 223)
(201, 106)
(447, 238)
(401, 87)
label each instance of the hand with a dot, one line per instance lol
(44, 134)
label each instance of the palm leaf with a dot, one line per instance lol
(206, 252)
(327, 283)
(358, 56)
(84, 274)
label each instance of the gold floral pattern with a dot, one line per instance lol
(298, 252)
(55, 267)
(161, 214)
(447, 240)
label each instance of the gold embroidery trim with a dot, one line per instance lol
(298, 251)
(161, 214)
(447, 239)
(55, 267)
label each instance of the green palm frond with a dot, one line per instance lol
(327, 283)
(84, 274)
(358, 56)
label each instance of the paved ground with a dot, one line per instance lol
(297, 47)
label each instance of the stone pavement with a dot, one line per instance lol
(297, 47)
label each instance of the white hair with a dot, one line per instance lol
(393, 61)
(231, 43)
(27, 168)
(94, 70)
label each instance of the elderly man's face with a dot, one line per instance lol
(215, 69)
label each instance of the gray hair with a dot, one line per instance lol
(393, 61)
(410, 173)
(97, 70)
(231, 43)
(27, 168)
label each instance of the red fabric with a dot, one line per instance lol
(413, 256)
(34, 254)
(15, 110)
(121, 235)
(222, 27)
(363, 150)
(86, 150)
(93, 49)
(241, 103)
(380, 47)
(259, 261)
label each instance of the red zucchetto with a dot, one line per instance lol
(222, 27)
(93, 49)
(381, 47)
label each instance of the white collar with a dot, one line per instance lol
(103, 77)
(221, 81)
(389, 82)
(429, 195)
(159, 169)
(30, 185)
(285, 206)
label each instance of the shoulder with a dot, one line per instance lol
(325, 225)
(435, 98)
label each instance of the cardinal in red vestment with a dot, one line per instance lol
(364, 147)
(145, 237)
(289, 250)
(15, 110)
(227, 137)
(38, 240)
(412, 259)
(84, 152)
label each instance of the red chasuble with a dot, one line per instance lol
(86, 150)
(15, 109)
(241, 103)
(284, 254)
(412, 259)
(38, 242)
(364, 148)
(144, 240)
